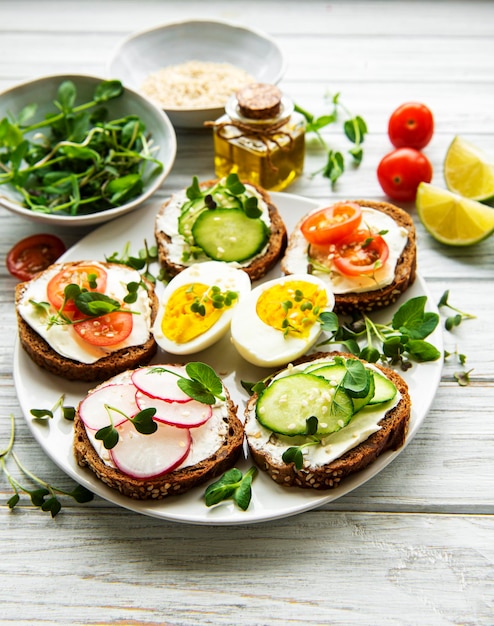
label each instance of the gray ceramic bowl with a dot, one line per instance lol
(216, 41)
(43, 91)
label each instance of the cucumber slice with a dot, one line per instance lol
(287, 403)
(385, 389)
(335, 373)
(229, 235)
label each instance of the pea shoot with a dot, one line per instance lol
(76, 161)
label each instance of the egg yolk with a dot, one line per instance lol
(291, 307)
(189, 313)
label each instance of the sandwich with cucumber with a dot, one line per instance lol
(324, 418)
(222, 220)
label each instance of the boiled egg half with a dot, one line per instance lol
(278, 320)
(197, 305)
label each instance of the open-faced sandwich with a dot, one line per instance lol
(324, 418)
(158, 430)
(221, 220)
(364, 250)
(87, 320)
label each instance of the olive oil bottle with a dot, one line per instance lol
(260, 138)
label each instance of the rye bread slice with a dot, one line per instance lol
(391, 436)
(259, 266)
(405, 271)
(173, 483)
(43, 354)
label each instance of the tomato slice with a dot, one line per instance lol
(362, 252)
(33, 254)
(79, 275)
(332, 223)
(106, 330)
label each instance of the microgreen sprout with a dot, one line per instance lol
(142, 263)
(398, 342)
(203, 384)
(295, 454)
(78, 161)
(219, 299)
(42, 415)
(232, 485)
(232, 190)
(142, 421)
(458, 317)
(44, 495)
(462, 377)
(354, 128)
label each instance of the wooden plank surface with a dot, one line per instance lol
(411, 546)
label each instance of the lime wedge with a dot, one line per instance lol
(452, 219)
(468, 171)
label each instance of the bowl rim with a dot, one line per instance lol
(107, 214)
(221, 22)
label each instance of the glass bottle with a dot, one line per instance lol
(260, 138)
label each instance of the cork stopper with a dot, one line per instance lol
(259, 101)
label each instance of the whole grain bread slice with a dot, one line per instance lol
(259, 266)
(391, 436)
(172, 483)
(405, 272)
(118, 361)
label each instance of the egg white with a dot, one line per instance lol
(208, 273)
(263, 345)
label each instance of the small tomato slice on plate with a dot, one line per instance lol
(105, 330)
(33, 254)
(88, 277)
(400, 172)
(411, 125)
(360, 253)
(332, 223)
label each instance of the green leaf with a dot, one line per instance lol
(124, 187)
(38, 496)
(370, 354)
(13, 500)
(329, 321)
(143, 421)
(294, 455)
(410, 314)
(41, 414)
(206, 376)
(335, 166)
(243, 493)
(93, 303)
(422, 350)
(108, 435)
(194, 191)
(81, 494)
(107, 90)
(10, 135)
(66, 96)
(234, 185)
(223, 488)
(357, 379)
(52, 505)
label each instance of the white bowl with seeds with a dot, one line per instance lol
(190, 68)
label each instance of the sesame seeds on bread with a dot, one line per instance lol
(391, 436)
(404, 274)
(258, 266)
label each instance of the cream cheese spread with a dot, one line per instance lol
(296, 257)
(63, 339)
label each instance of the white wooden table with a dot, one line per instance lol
(415, 545)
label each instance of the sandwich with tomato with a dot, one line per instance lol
(364, 250)
(87, 320)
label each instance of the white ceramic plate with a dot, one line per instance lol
(39, 389)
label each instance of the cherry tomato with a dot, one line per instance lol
(361, 252)
(106, 330)
(33, 254)
(332, 223)
(400, 172)
(79, 275)
(411, 126)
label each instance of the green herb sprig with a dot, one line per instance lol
(398, 342)
(44, 495)
(43, 415)
(354, 128)
(232, 485)
(203, 384)
(458, 317)
(77, 162)
(142, 262)
(231, 189)
(142, 421)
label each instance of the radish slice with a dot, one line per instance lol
(156, 382)
(148, 456)
(182, 414)
(93, 409)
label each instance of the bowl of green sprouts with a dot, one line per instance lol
(79, 150)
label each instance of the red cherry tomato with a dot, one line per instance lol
(362, 252)
(411, 126)
(400, 172)
(33, 254)
(80, 275)
(332, 223)
(106, 330)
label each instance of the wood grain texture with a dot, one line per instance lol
(411, 546)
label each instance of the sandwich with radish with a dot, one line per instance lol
(158, 430)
